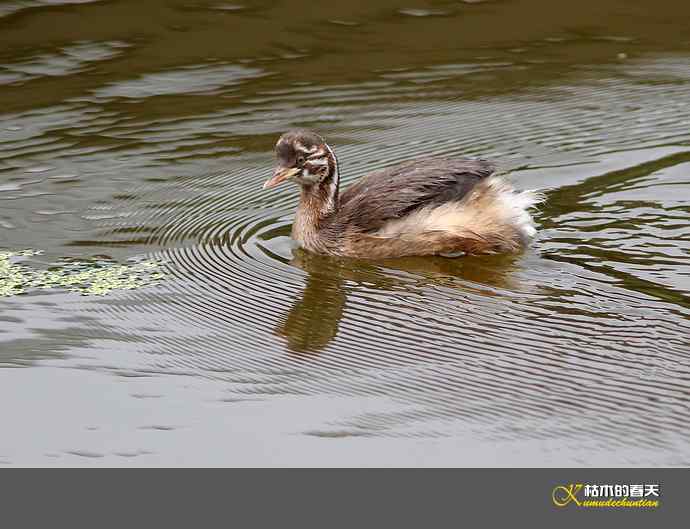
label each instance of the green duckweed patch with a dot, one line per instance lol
(86, 277)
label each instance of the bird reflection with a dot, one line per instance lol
(314, 318)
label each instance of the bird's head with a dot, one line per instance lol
(304, 158)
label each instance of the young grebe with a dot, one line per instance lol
(429, 206)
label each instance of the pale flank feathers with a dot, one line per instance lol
(492, 211)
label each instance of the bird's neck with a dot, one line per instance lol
(318, 205)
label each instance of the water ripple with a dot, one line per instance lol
(540, 346)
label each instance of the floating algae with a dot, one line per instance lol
(93, 277)
(12, 278)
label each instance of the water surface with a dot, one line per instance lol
(156, 312)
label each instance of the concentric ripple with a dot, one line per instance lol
(553, 340)
(145, 134)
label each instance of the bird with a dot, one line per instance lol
(443, 206)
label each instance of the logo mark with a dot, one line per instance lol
(562, 495)
(607, 495)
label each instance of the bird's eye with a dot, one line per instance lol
(300, 160)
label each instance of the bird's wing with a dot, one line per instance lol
(396, 191)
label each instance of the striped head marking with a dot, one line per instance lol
(306, 159)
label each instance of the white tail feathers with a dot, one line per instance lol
(492, 211)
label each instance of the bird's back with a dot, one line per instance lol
(395, 192)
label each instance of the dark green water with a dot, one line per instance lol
(134, 141)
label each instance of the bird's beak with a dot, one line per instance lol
(279, 175)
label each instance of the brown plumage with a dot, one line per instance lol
(428, 206)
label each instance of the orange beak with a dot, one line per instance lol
(280, 175)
